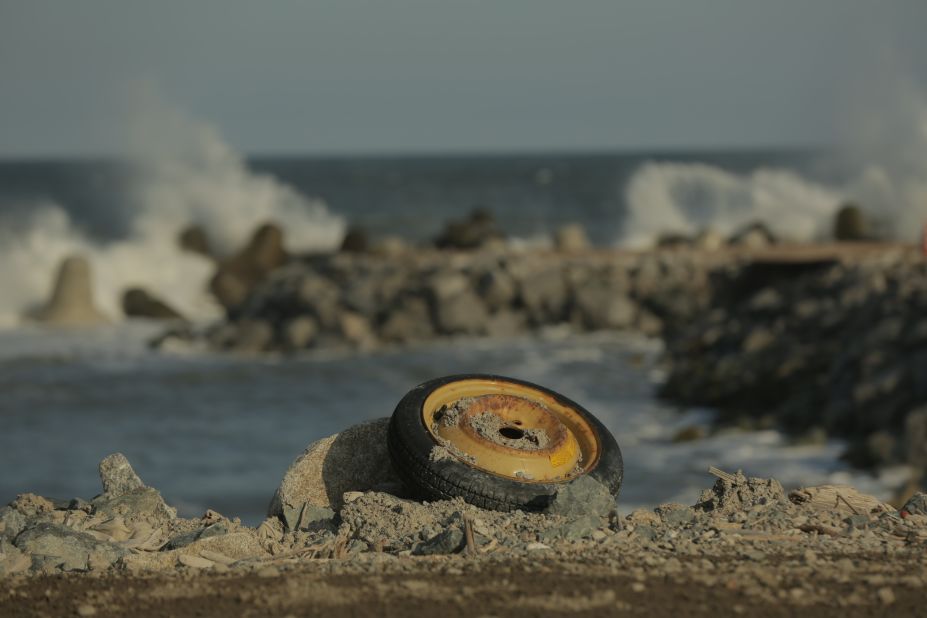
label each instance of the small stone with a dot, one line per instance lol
(809, 556)
(118, 477)
(85, 609)
(268, 571)
(447, 542)
(886, 595)
(195, 562)
(535, 546)
(583, 496)
(350, 496)
(638, 587)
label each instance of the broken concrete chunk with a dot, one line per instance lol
(145, 502)
(447, 542)
(841, 498)
(118, 477)
(916, 504)
(735, 492)
(583, 496)
(68, 549)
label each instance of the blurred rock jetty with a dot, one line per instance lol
(826, 339)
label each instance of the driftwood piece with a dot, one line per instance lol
(843, 498)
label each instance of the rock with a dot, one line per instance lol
(736, 493)
(674, 240)
(839, 498)
(195, 562)
(753, 236)
(497, 289)
(300, 332)
(138, 303)
(409, 320)
(68, 549)
(583, 496)
(355, 240)
(850, 223)
(182, 540)
(195, 240)
(601, 308)
(571, 238)
(915, 438)
(463, 313)
(544, 294)
(321, 298)
(12, 522)
(355, 329)
(474, 232)
(12, 560)
(690, 433)
(252, 336)
(31, 504)
(916, 504)
(118, 477)
(306, 516)
(449, 541)
(390, 246)
(709, 240)
(124, 493)
(237, 276)
(71, 302)
(574, 529)
(354, 460)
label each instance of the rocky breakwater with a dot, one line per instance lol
(366, 299)
(822, 340)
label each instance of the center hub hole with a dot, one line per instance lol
(512, 433)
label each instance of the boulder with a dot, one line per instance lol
(354, 460)
(71, 302)
(124, 493)
(571, 238)
(300, 332)
(409, 320)
(497, 288)
(709, 240)
(543, 292)
(850, 223)
(754, 235)
(195, 240)
(474, 232)
(139, 303)
(59, 546)
(600, 306)
(355, 240)
(236, 276)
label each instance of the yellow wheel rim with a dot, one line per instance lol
(511, 430)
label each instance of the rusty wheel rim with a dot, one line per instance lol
(511, 430)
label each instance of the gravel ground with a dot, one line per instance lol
(744, 548)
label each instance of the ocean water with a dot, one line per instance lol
(219, 432)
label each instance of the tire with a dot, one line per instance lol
(410, 445)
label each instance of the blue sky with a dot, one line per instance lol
(403, 76)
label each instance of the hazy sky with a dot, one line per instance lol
(431, 75)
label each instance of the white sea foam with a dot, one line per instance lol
(186, 175)
(689, 197)
(884, 148)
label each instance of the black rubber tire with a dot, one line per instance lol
(410, 445)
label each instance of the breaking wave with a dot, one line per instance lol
(184, 173)
(883, 155)
(687, 198)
